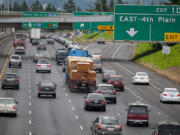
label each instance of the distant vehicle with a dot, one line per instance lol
(61, 56)
(117, 81)
(138, 113)
(107, 74)
(95, 101)
(106, 125)
(167, 128)
(19, 38)
(108, 91)
(64, 67)
(37, 57)
(50, 41)
(101, 40)
(170, 95)
(19, 42)
(77, 52)
(35, 42)
(8, 106)
(47, 88)
(35, 34)
(97, 55)
(41, 46)
(57, 51)
(141, 78)
(10, 80)
(20, 50)
(97, 63)
(15, 60)
(43, 65)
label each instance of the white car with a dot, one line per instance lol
(15, 60)
(170, 95)
(140, 78)
(8, 106)
(20, 50)
(43, 65)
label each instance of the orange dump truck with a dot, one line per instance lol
(80, 74)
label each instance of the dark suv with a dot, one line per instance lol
(167, 128)
(138, 113)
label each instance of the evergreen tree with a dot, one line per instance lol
(138, 2)
(119, 2)
(90, 7)
(36, 6)
(24, 6)
(48, 7)
(69, 6)
(98, 6)
(172, 2)
(104, 6)
(111, 6)
(53, 9)
(16, 7)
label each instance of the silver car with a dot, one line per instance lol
(8, 106)
(170, 95)
(20, 50)
(106, 125)
(43, 65)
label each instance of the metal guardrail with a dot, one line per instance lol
(3, 35)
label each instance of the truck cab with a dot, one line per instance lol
(138, 114)
(61, 56)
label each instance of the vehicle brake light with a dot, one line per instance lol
(38, 65)
(39, 88)
(48, 65)
(14, 107)
(157, 134)
(54, 88)
(17, 80)
(164, 94)
(73, 82)
(100, 57)
(88, 101)
(178, 95)
(4, 79)
(104, 101)
(99, 127)
(99, 91)
(120, 127)
(105, 74)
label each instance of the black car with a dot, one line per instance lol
(47, 88)
(95, 100)
(10, 80)
(35, 42)
(167, 128)
(107, 74)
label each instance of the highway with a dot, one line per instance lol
(65, 114)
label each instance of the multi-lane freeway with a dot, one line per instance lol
(65, 114)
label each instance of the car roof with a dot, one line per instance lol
(95, 94)
(170, 89)
(167, 122)
(116, 76)
(20, 47)
(44, 60)
(106, 70)
(109, 117)
(11, 74)
(138, 103)
(104, 85)
(141, 73)
(47, 81)
(15, 55)
(6, 98)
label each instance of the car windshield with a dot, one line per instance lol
(15, 57)
(96, 96)
(110, 122)
(169, 129)
(6, 101)
(10, 75)
(47, 84)
(110, 72)
(116, 78)
(44, 62)
(97, 61)
(138, 110)
(171, 91)
(106, 87)
(35, 40)
(62, 53)
(39, 55)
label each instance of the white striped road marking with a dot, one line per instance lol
(29, 97)
(73, 108)
(69, 100)
(30, 122)
(158, 113)
(114, 54)
(81, 127)
(30, 112)
(29, 103)
(30, 133)
(76, 117)
(29, 91)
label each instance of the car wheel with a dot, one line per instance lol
(20, 65)
(104, 109)
(54, 95)
(17, 87)
(85, 108)
(128, 124)
(15, 115)
(49, 71)
(147, 124)
(115, 101)
(9, 65)
(2, 87)
(37, 71)
(122, 89)
(39, 95)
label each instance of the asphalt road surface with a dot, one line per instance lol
(65, 114)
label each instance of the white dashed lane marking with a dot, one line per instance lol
(29, 103)
(81, 127)
(30, 112)
(29, 97)
(73, 108)
(69, 100)
(30, 133)
(30, 122)
(76, 117)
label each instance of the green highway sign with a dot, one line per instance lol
(39, 14)
(91, 13)
(40, 25)
(146, 23)
(90, 25)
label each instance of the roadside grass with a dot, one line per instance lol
(157, 59)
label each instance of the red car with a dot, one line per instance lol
(117, 82)
(138, 113)
(19, 42)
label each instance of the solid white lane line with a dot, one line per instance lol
(81, 127)
(125, 69)
(114, 54)
(158, 113)
(29, 85)
(29, 91)
(66, 94)
(76, 117)
(119, 113)
(64, 89)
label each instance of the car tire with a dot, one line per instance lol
(54, 95)
(85, 108)
(49, 71)
(15, 115)
(9, 65)
(20, 65)
(104, 109)
(2, 87)
(39, 95)
(122, 89)
(128, 124)
(115, 101)
(17, 87)
(147, 124)
(37, 71)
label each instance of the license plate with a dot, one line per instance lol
(83, 85)
(95, 101)
(110, 129)
(137, 121)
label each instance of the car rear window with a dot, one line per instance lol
(116, 79)
(169, 129)
(10, 75)
(110, 72)
(15, 57)
(47, 84)
(110, 122)
(44, 62)
(96, 96)
(107, 88)
(138, 110)
(6, 101)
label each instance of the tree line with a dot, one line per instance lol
(70, 5)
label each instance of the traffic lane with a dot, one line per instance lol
(52, 115)
(18, 125)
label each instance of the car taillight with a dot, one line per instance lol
(104, 101)
(17, 80)
(105, 74)
(113, 92)
(14, 107)
(88, 101)
(100, 57)
(73, 82)
(54, 88)
(122, 82)
(164, 94)
(157, 134)
(120, 127)
(48, 65)
(39, 88)
(99, 91)
(99, 127)
(38, 65)
(3, 79)
(178, 95)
